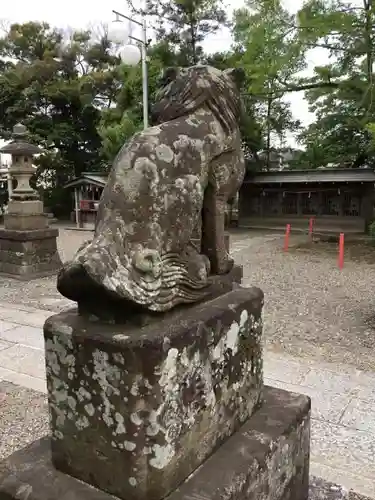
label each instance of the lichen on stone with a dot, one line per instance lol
(151, 209)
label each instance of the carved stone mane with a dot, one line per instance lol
(185, 90)
(161, 183)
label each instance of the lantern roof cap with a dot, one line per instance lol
(19, 145)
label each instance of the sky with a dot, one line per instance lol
(82, 13)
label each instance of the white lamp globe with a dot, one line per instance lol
(130, 55)
(118, 32)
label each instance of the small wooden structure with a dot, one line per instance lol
(87, 191)
(336, 198)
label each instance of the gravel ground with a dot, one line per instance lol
(312, 309)
(23, 417)
(42, 293)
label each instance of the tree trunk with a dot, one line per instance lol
(269, 112)
(368, 39)
(193, 42)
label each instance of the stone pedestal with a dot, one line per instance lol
(28, 247)
(25, 215)
(267, 459)
(134, 411)
(174, 409)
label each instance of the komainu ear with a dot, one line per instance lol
(238, 75)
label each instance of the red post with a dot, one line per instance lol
(341, 251)
(286, 239)
(311, 226)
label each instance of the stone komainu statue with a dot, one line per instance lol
(167, 189)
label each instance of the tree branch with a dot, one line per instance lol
(311, 86)
(295, 88)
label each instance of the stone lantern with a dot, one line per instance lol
(25, 210)
(27, 245)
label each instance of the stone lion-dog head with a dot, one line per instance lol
(184, 90)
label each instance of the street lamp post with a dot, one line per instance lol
(130, 53)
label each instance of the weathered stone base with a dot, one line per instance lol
(268, 458)
(156, 400)
(29, 254)
(26, 215)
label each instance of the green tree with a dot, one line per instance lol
(272, 55)
(56, 85)
(341, 93)
(184, 24)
